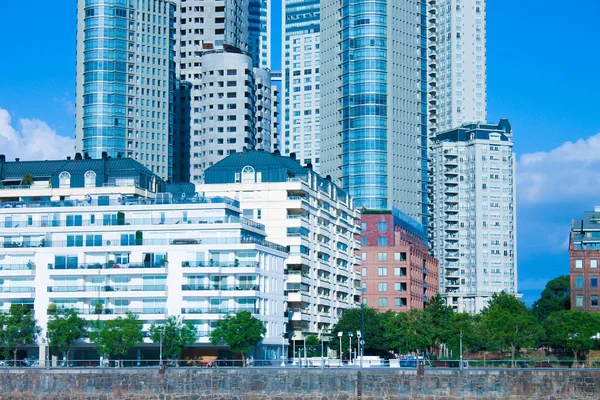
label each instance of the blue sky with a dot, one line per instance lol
(542, 74)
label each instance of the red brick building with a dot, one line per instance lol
(584, 252)
(397, 271)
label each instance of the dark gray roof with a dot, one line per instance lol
(105, 169)
(479, 130)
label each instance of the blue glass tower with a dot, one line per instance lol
(374, 102)
(125, 81)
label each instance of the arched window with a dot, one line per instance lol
(64, 179)
(90, 179)
(248, 175)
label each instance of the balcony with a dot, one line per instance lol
(107, 288)
(120, 311)
(18, 267)
(217, 310)
(106, 266)
(213, 264)
(202, 287)
(17, 289)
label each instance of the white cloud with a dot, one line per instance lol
(32, 140)
(570, 172)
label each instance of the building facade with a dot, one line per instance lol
(457, 63)
(301, 73)
(584, 252)
(397, 271)
(107, 247)
(315, 219)
(374, 102)
(125, 81)
(259, 35)
(473, 232)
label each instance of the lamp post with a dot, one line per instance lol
(360, 347)
(350, 348)
(340, 336)
(362, 327)
(322, 360)
(461, 352)
(282, 349)
(294, 350)
(160, 348)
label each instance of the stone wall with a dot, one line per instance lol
(296, 384)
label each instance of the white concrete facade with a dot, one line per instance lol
(302, 78)
(457, 63)
(319, 228)
(473, 227)
(199, 259)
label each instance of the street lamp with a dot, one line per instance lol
(350, 334)
(340, 336)
(360, 348)
(282, 349)
(322, 361)
(160, 347)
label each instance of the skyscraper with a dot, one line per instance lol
(374, 102)
(457, 62)
(474, 225)
(125, 81)
(259, 32)
(301, 73)
(230, 97)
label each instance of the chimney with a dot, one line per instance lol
(86, 155)
(104, 155)
(17, 159)
(68, 158)
(2, 158)
(309, 165)
(328, 178)
(78, 156)
(293, 156)
(277, 152)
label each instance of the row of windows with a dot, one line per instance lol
(383, 302)
(383, 271)
(383, 256)
(593, 282)
(593, 263)
(580, 302)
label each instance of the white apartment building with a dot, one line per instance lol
(474, 224)
(302, 81)
(313, 218)
(457, 63)
(107, 248)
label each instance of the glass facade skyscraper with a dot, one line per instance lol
(374, 102)
(125, 81)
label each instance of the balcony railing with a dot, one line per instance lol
(107, 288)
(121, 311)
(124, 201)
(107, 266)
(18, 267)
(208, 264)
(170, 242)
(17, 289)
(217, 310)
(219, 287)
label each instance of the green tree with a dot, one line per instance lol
(117, 336)
(174, 335)
(241, 332)
(439, 315)
(312, 343)
(556, 296)
(507, 324)
(64, 329)
(469, 326)
(416, 334)
(573, 330)
(27, 179)
(375, 337)
(18, 328)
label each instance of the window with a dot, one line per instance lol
(90, 179)
(399, 287)
(382, 256)
(364, 287)
(64, 180)
(247, 174)
(594, 282)
(594, 263)
(399, 257)
(382, 271)
(382, 286)
(364, 271)
(578, 301)
(579, 282)
(382, 226)
(382, 241)
(364, 256)
(383, 302)
(398, 271)
(399, 302)
(364, 226)
(578, 263)
(594, 300)
(364, 241)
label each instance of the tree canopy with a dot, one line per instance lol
(64, 329)
(573, 330)
(18, 328)
(117, 336)
(241, 332)
(555, 297)
(174, 335)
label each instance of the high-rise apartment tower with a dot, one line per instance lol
(125, 81)
(374, 102)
